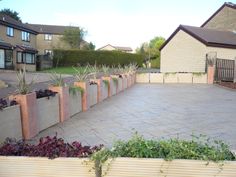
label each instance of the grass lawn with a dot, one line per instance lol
(61, 70)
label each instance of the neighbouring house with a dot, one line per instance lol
(111, 48)
(17, 44)
(49, 38)
(187, 48)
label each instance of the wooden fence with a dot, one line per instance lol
(224, 70)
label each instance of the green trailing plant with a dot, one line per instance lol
(198, 74)
(74, 89)
(23, 87)
(115, 80)
(57, 80)
(170, 73)
(106, 82)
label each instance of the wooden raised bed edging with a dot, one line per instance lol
(12, 166)
(63, 101)
(141, 167)
(10, 123)
(43, 167)
(48, 111)
(28, 109)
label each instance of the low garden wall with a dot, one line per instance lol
(161, 78)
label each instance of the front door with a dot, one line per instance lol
(2, 59)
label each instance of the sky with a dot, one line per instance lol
(126, 23)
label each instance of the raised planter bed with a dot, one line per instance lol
(104, 88)
(199, 78)
(92, 94)
(42, 167)
(120, 84)
(142, 77)
(141, 167)
(125, 83)
(75, 103)
(10, 123)
(156, 78)
(63, 93)
(28, 113)
(170, 78)
(48, 111)
(185, 78)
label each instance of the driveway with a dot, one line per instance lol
(155, 111)
(41, 81)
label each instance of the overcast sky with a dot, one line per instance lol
(117, 22)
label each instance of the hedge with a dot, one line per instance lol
(83, 57)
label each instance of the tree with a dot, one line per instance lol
(150, 50)
(74, 37)
(88, 46)
(11, 13)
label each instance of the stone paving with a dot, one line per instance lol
(155, 111)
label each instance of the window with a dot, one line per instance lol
(48, 52)
(10, 31)
(19, 57)
(25, 36)
(48, 37)
(9, 59)
(27, 58)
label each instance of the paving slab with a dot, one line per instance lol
(155, 111)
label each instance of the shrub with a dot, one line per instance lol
(199, 148)
(82, 58)
(51, 147)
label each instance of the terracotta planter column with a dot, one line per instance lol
(84, 86)
(110, 86)
(63, 101)
(210, 74)
(28, 109)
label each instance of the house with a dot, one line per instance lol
(49, 38)
(17, 44)
(187, 47)
(111, 48)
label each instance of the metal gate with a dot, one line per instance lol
(224, 70)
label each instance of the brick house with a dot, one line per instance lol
(186, 49)
(49, 38)
(17, 44)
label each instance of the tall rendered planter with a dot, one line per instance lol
(85, 100)
(10, 123)
(92, 94)
(100, 84)
(75, 103)
(63, 101)
(48, 111)
(115, 80)
(28, 109)
(110, 85)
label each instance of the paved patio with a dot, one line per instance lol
(155, 111)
